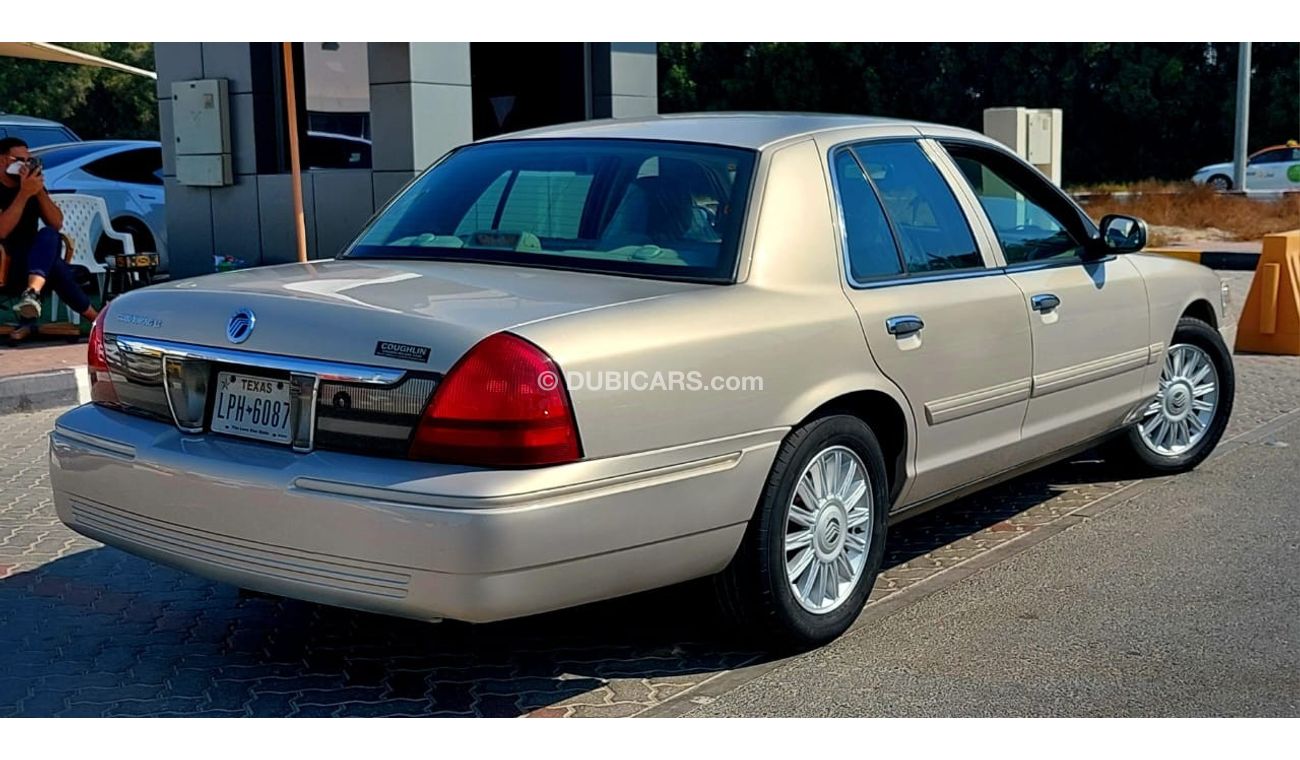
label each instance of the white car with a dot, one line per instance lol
(127, 174)
(1275, 168)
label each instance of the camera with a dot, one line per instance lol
(33, 164)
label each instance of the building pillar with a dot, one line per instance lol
(624, 79)
(203, 222)
(420, 108)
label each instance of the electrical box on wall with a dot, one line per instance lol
(201, 121)
(1034, 134)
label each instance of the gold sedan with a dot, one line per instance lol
(580, 362)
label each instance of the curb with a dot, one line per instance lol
(1237, 261)
(44, 390)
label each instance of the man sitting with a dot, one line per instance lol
(34, 253)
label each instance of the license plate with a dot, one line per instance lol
(252, 407)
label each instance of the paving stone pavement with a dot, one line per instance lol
(88, 630)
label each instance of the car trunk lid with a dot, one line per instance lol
(401, 314)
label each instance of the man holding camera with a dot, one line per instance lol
(32, 252)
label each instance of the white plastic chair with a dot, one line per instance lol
(85, 218)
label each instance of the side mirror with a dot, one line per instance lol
(1123, 234)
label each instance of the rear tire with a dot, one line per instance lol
(1176, 433)
(808, 517)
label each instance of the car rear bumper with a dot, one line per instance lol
(404, 538)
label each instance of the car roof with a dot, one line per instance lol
(754, 130)
(30, 121)
(1287, 144)
(67, 156)
(90, 145)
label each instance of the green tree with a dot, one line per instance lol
(1132, 110)
(95, 103)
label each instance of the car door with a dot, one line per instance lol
(1088, 315)
(1289, 172)
(1277, 169)
(940, 319)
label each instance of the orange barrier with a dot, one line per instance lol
(1270, 320)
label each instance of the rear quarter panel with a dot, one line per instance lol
(640, 375)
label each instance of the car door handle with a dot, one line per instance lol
(904, 324)
(1044, 302)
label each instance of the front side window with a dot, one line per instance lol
(931, 227)
(1275, 156)
(1017, 204)
(654, 209)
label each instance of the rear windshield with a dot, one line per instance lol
(653, 209)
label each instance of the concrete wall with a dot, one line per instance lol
(420, 108)
(420, 100)
(624, 79)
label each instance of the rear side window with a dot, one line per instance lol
(931, 227)
(142, 167)
(871, 249)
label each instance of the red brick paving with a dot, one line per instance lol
(25, 360)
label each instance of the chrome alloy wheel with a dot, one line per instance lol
(828, 529)
(1185, 402)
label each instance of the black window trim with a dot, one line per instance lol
(906, 277)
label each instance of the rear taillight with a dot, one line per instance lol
(101, 384)
(503, 404)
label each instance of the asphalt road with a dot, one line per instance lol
(1184, 601)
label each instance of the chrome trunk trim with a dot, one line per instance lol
(325, 370)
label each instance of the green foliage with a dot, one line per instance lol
(1132, 110)
(95, 103)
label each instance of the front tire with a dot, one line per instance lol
(1220, 183)
(1183, 424)
(814, 547)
